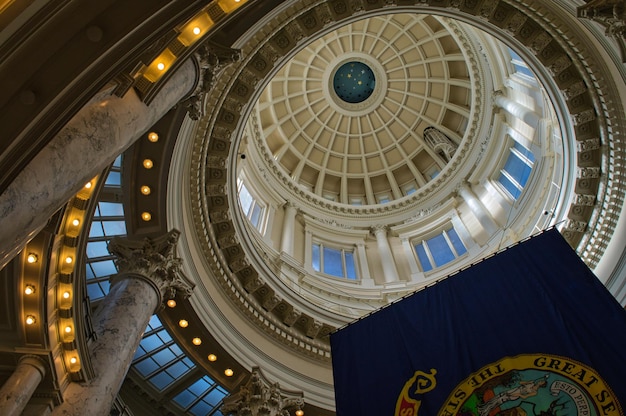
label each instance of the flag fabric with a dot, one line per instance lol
(529, 331)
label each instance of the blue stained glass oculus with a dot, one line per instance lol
(354, 82)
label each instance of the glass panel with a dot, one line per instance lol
(118, 162)
(184, 398)
(214, 397)
(161, 380)
(245, 199)
(316, 257)
(423, 257)
(199, 387)
(456, 242)
(524, 151)
(440, 250)
(332, 262)
(95, 291)
(200, 409)
(164, 357)
(114, 179)
(517, 169)
(147, 366)
(103, 268)
(350, 269)
(154, 323)
(114, 227)
(509, 186)
(255, 216)
(97, 249)
(111, 209)
(96, 229)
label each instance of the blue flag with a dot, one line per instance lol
(530, 331)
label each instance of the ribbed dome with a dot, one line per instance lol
(369, 150)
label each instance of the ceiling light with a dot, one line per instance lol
(153, 137)
(66, 295)
(183, 323)
(75, 222)
(30, 319)
(229, 372)
(145, 190)
(171, 303)
(146, 216)
(196, 30)
(147, 163)
(68, 329)
(32, 258)
(299, 412)
(160, 66)
(69, 259)
(196, 341)
(73, 360)
(88, 185)
(212, 357)
(29, 289)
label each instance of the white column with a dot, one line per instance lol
(18, 389)
(478, 209)
(366, 278)
(286, 240)
(517, 110)
(416, 273)
(149, 273)
(91, 140)
(386, 257)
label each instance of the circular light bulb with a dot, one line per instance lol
(229, 372)
(88, 185)
(196, 30)
(183, 323)
(32, 258)
(145, 190)
(160, 66)
(146, 216)
(75, 222)
(66, 295)
(30, 319)
(171, 303)
(69, 259)
(29, 289)
(153, 137)
(299, 412)
(196, 341)
(212, 357)
(147, 163)
(73, 360)
(68, 329)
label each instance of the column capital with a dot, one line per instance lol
(154, 260)
(379, 228)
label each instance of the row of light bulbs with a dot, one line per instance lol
(183, 323)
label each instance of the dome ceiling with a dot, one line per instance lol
(368, 149)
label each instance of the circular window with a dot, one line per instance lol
(354, 82)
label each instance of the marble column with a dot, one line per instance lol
(149, 274)
(289, 221)
(91, 140)
(478, 209)
(527, 115)
(259, 397)
(386, 257)
(18, 389)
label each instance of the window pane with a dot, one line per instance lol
(97, 249)
(114, 179)
(440, 250)
(200, 409)
(255, 216)
(161, 380)
(423, 257)
(245, 199)
(509, 186)
(184, 398)
(316, 257)
(518, 169)
(111, 209)
(456, 242)
(332, 262)
(96, 229)
(350, 269)
(95, 291)
(114, 227)
(214, 397)
(147, 366)
(103, 268)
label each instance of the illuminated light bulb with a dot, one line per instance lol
(196, 30)
(299, 412)
(66, 295)
(147, 163)
(73, 360)
(88, 185)
(171, 303)
(146, 216)
(68, 329)
(160, 66)
(69, 259)
(153, 137)
(75, 222)
(212, 357)
(145, 190)
(229, 372)
(183, 323)
(29, 289)
(196, 341)
(30, 319)
(32, 258)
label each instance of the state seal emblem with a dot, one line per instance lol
(524, 385)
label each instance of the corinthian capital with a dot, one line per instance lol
(154, 260)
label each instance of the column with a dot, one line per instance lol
(286, 240)
(409, 252)
(366, 279)
(92, 139)
(518, 110)
(149, 274)
(19, 388)
(259, 397)
(386, 257)
(478, 209)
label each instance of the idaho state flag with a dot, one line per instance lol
(528, 332)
